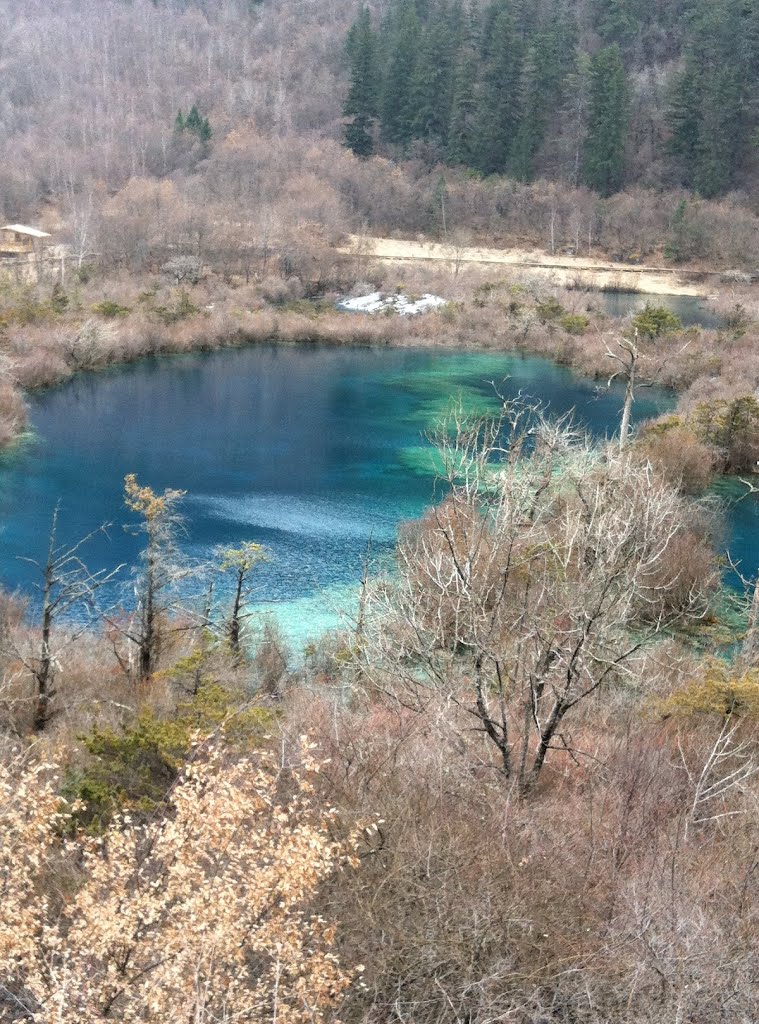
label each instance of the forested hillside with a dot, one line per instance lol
(513, 116)
(602, 92)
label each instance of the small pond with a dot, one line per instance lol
(693, 311)
(310, 451)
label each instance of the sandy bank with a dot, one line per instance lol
(562, 270)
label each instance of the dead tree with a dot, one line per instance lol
(67, 586)
(629, 357)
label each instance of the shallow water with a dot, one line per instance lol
(310, 451)
(692, 311)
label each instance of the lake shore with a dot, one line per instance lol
(511, 311)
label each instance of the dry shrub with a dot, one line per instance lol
(688, 566)
(449, 535)
(278, 290)
(42, 368)
(588, 905)
(205, 914)
(676, 451)
(92, 344)
(270, 660)
(12, 413)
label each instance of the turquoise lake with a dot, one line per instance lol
(309, 450)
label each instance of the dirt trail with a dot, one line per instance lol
(563, 270)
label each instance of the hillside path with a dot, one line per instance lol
(563, 270)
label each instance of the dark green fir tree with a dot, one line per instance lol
(401, 33)
(361, 103)
(499, 94)
(604, 151)
(463, 125)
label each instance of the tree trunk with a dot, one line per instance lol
(748, 654)
(624, 430)
(233, 630)
(148, 638)
(43, 672)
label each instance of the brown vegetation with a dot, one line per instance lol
(620, 886)
(528, 796)
(45, 340)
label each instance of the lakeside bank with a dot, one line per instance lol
(47, 344)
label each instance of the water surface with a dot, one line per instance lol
(310, 451)
(691, 310)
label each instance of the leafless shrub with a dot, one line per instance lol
(183, 268)
(684, 460)
(535, 584)
(90, 345)
(279, 290)
(12, 412)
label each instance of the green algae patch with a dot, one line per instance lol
(469, 383)
(434, 413)
(422, 460)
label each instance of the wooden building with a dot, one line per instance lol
(27, 257)
(19, 240)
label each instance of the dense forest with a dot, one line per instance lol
(519, 115)
(605, 92)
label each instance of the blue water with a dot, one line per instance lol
(310, 451)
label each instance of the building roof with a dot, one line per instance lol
(22, 229)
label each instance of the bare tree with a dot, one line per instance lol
(726, 769)
(183, 268)
(546, 570)
(81, 221)
(66, 585)
(628, 356)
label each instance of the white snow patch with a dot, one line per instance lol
(378, 302)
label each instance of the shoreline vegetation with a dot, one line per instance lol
(49, 334)
(523, 784)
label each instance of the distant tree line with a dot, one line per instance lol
(548, 89)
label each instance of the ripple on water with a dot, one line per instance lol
(310, 451)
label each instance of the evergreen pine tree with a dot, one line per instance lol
(401, 33)
(549, 61)
(193, 122)
(498, 106)
(574, 117)
(711, 99)
(604, 152)
(685, 118)
(461, 132)
(361, 103)
(619, 24)
(531, 113)
(720, 133)
(433, 80)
